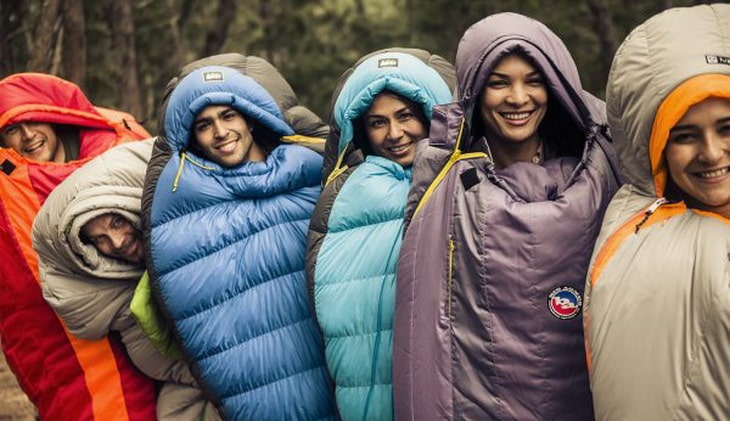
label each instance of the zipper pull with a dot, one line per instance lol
(649, 211)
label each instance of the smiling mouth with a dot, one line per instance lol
(400, 148)
(228, 146)
(29, 150)
(516, 116)
(713, 173)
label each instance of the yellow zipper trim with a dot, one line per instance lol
(338, 170)
(298, 138)
(456, 156)
(184, 157)
(451, 274)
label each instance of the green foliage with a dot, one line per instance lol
(311, 41)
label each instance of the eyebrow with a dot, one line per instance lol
(400, 110)
(219, 114)
(506, 76)
(693, 126)
(202, 119)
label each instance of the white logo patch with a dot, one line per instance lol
(388, 62)
(213, 76)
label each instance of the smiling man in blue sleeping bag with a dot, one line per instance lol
(228, 199)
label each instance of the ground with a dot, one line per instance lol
(14, 404)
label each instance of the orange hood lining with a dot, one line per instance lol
(670, 111)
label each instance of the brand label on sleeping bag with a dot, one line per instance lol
(388, 62)
(212, 76)
(564, 302)
(717, 60)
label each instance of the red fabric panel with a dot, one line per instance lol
(65, 377)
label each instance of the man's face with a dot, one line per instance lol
(35, 141)
(114, 236)
(223, 135)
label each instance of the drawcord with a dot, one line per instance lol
(649, 211)
(378, 333)
(184, 157)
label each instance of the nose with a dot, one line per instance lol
(117, 240)
(26, 132)
(518, 95)
(395, 130)
(219, 129)
(714, 148)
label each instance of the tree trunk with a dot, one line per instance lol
(44, 37)
(266, 21)
(73, 60)
(16, 38)
(218, 31)
(121, 24)
(603, 25)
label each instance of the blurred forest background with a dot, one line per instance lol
(123, 52)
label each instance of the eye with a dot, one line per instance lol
(229, 115)
(682, 137)
(724, 129)
(10, 130)
(405, 115)
(201, 126)
(117, 221)
(376, 123)
(497, 83)
(536, 81)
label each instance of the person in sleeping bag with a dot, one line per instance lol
(657, 314)
(506, 203)
(228, 198)
(48, 129)
(381, 110)
(91, 256)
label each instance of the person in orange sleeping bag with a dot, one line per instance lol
(48, 129)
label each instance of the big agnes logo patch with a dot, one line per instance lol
(564, 302)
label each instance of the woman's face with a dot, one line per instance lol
(513, 101)
(698, 155)
(393, 128)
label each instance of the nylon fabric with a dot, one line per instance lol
(482, 262)
(660, 270)
(246, 327)
(65, 377)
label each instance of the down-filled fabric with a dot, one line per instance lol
(493, 263)
(355, 236)
(64, 376)
(90, 292)
(657, 313)
(227, 249)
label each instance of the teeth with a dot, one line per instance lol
(714, 173)
(399, 148)
(32, 148)
(515, 116)
(227, 147)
